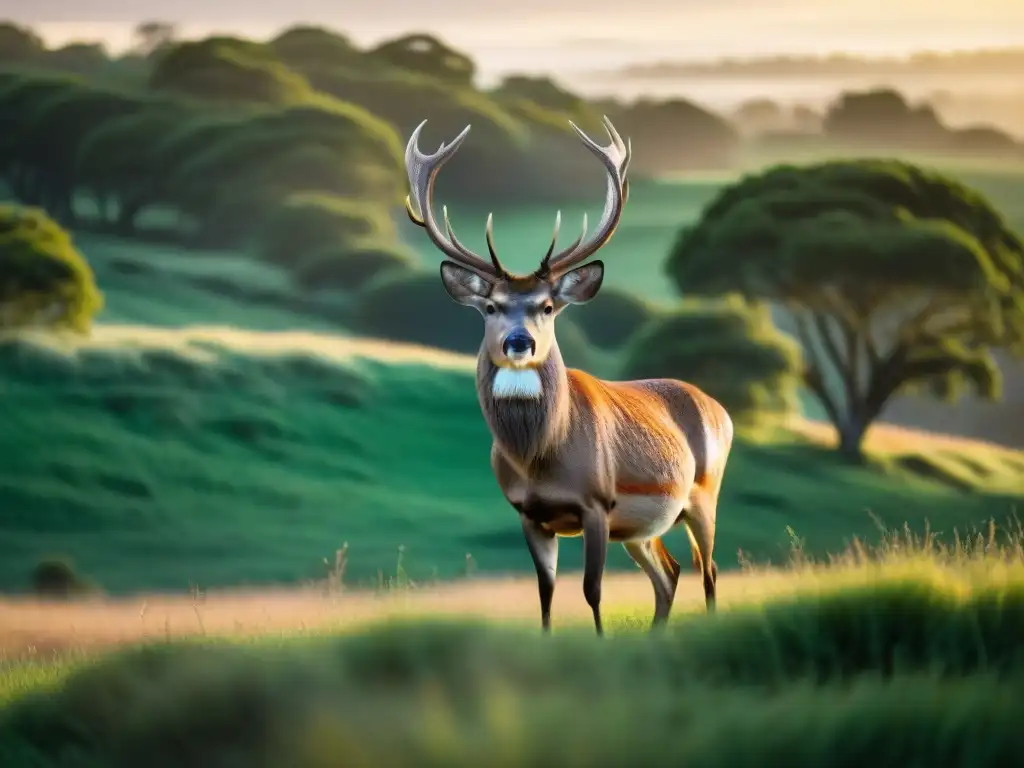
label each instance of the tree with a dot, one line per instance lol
(675, 135)
(82, 58)
(120, 163)
(984, 140)
(309, 49)
(759, 115)
(427, 55)
(153, 37)
(730, 350)
(224, 168)
(541, 90)
(44, 280)
(19, 45)
(228, 70)
(896, 279)
(20, 97)
(614, 317)
(306, 224)
(52, 131)
(882, 117)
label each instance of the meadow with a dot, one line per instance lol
(903, 654)
(204, 454)
(221, 429)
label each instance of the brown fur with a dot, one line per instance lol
(620, 461)
(589, 442)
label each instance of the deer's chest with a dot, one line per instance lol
(553, 498)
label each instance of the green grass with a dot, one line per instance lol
(220, 429)
(170, 458)
(909, 661)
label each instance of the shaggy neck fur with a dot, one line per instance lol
(528, 415)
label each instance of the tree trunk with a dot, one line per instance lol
(851, 437)
(129, 211)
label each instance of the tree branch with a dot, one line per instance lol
(813, 374)
(835, 355)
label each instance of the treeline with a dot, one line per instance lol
(874, 120)
(210, 142)
(985, 61)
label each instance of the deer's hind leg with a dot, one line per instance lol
(699, 520)
(661, 568)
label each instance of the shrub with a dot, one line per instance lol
(415, 308)
(349, 269)
(728, 349)
(307, 224)
(44, 280)
(57, 578)
(613, 317)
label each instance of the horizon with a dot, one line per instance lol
(575, 38)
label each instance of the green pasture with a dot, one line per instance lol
(891, 664)
(220, 430)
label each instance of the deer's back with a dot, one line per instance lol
(659, 425)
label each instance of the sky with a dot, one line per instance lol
(571, 36)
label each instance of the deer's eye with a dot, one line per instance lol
(490, 309)
(548, 309)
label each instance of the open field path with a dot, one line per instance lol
(32, 627)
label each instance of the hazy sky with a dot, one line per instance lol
(570, 35)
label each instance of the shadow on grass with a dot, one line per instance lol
(913, 669)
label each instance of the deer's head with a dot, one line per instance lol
(519, 311)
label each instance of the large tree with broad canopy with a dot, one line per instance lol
(897, 279)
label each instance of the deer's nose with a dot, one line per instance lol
(518, 343)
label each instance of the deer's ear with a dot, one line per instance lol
(464, 285)
(580, 285)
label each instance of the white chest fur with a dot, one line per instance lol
(517, 382)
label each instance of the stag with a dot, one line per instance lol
(620, 461)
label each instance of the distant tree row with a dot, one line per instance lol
(223, 142)
(92, 154)
(875, 119)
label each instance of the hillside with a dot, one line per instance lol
(217, 430)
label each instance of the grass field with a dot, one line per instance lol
(909, 658)
(221, 429)
(221, 434)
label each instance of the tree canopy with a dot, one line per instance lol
(44, 280)
(428, 55)
(614, 317)
(228, 69)
(19, 44)
(897, 279)
(675, 135)
(730, 350)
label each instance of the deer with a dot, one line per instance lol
(574, 455)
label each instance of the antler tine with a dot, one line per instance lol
(554, 241)
(615, 158)
(422, 170)
(489, 234)
(545, 264)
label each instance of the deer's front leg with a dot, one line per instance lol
(544, 550)
(595, 554)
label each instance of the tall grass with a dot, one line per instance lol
(898, 666)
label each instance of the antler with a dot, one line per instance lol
(615, 159)
(422, 170)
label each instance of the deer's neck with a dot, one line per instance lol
(528, 414)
